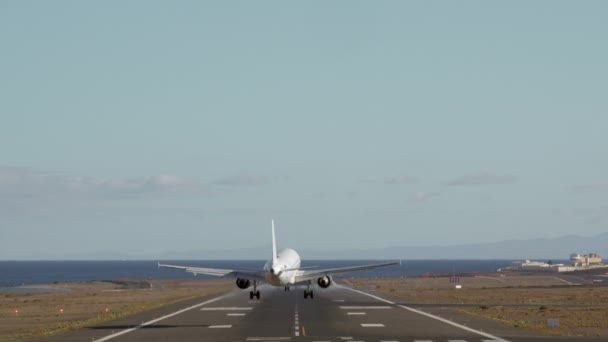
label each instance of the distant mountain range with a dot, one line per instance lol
(558, 248)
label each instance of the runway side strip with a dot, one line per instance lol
(495, 338)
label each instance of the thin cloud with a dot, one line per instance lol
(423, 196)
(589, 188)
(24, 182)
(242, 180)
(482, 179)
(400, 180)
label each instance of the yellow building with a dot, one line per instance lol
(585, 259)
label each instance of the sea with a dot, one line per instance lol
(16, 274)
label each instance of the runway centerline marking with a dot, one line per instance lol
(356, 313)
(233, 308)
(235, 314)
(160, 319)
(297, 323)
(372, 325)
(221, 326)
(463, 327)
(268, 339)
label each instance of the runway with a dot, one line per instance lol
(335, 314)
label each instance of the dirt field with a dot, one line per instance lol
(491, 294)
(37, 314)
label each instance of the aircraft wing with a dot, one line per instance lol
(302, 276)
(245, 274)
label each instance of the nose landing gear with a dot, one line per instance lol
(255, 292)
(308, 292)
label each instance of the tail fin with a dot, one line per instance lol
(274, 245)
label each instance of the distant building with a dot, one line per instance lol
(585, 259)
(578, 263)
(541, 266)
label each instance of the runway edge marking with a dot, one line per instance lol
(160, 319)
(463, 327)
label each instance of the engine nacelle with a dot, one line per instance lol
(243, 283)
(324, 282)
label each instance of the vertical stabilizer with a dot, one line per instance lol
(274, 246)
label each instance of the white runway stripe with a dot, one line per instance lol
(372, 307)
(158, 319)
(228, 308)
(222, 326)
(268, 339)
(463, 327)
(235, 314)
(372, 325)
(356, 313)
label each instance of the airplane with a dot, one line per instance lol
(282, 270)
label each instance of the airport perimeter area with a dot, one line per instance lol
(488, 307)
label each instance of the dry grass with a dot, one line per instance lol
(39, 313)
(573, 321)
(490, 292)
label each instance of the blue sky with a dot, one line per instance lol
(150, 127)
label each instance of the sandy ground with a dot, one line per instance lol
(581, 310)
(36, 314)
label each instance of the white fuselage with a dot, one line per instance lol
(283, 271)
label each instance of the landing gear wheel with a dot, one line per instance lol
(250, 294)
(311, 295)
(257, 294)
(308, 293)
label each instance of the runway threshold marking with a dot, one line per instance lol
(159, 319)
(463, 327)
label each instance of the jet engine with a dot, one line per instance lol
(324, 282)
(243, 283)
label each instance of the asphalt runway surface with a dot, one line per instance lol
(335, 314)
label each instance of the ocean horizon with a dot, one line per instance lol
(32, 272)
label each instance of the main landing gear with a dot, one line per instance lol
(308, 292)
(255, 292)
(287, 289)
